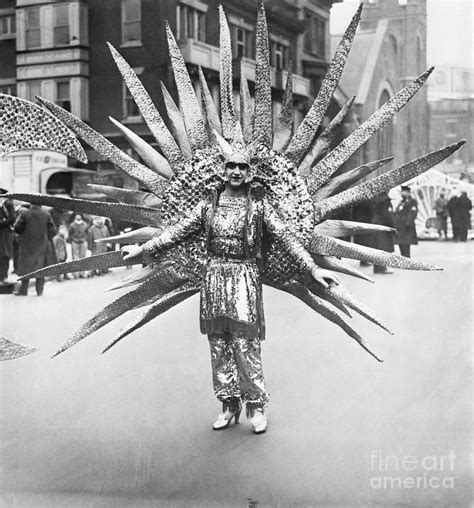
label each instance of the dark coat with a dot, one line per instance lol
(36, 229)
(383, 215)
(460, 211)
(7, 219)
(405, 215)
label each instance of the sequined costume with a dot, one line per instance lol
(231, 294)
(297, 164)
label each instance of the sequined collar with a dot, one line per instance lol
(231, 201)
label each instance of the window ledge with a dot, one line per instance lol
(131, 44)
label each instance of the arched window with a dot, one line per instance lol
(394, 50)
(419, 54)
(385, 135)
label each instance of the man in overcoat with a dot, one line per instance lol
(7, 219)
(405, 215)
(383, 215)
(36, 229)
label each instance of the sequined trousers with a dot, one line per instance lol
(237, 369)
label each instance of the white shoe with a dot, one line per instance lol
(225, 418)
(259, 421)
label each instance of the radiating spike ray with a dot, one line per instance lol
(321, 307)
(148, 110)
(165, 303)
(177, 123)
(138, 276)
(210, 108)
(327, 166)
(138, 214)
(383, 183)
(341, 293)
(224, 145)
(136, 236)
(341, 228)
(246, 107)
(309, 126)
(337, 265)
(108, 150)
(228, 115)
(128, 196)
(10, 350)
(328, 246)
(149, 290)
(26, 126)
(321, 292)
(325, 141)
(195, 127)
(262, 129)
(107, 260)
(153, 159)
(284, 123)
(344, 181)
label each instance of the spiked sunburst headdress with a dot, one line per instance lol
(298, 168)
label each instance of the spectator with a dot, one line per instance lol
(98, 231)
(78, 235)
(59, 242)
(463, 215)
(383, 215)
(36, 229)
(441, 209)
(405, 215)
(7, 219)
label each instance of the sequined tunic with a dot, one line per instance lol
(231, 294)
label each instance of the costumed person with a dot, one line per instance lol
(98, 231)
(36, 231)
(383, 216)
(77, 236)
(405, 215)
(441, 209)
(463, 215)
(235, 220)
(7, 219)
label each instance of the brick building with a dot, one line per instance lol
(388, 52)
(62, 55)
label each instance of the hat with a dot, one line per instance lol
(3, 191)
(405, 188)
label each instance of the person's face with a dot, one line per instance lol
(78, 218)
(236, 174)
(405, 194)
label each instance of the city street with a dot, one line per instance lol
(133, 427)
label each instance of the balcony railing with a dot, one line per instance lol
(207, 56)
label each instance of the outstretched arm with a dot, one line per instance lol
(278, 230)
(172, 235)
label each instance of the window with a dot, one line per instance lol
(130, 109)
(278, 55)
(7, 26)
(315, 36)
(33, 88)
(33, 32)
(63, 95)
(385, 135)
(191, 23)
(61, 25)
(8, 89)
(242, 42)
(131, 21)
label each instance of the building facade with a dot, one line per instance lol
(388, 52)
(58, 49)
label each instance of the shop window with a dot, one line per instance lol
(131, 21)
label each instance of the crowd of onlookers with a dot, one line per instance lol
(34, 238)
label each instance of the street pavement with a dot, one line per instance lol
(132, 427)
